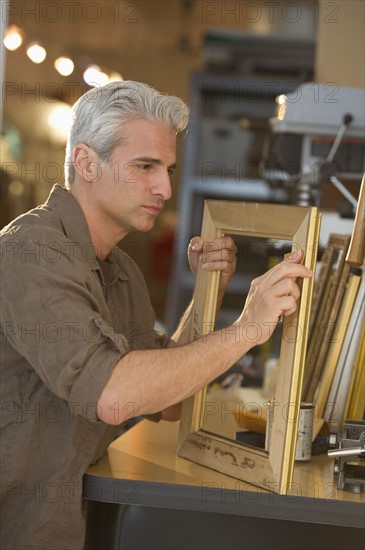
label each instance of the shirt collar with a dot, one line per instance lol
(111, 271)
(115, 258)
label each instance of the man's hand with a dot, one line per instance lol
(273, 295)
(219, 254)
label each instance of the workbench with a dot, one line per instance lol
(142, 496)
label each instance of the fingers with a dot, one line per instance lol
(220, 255)
(286, 287)
(274, 295)
(215, 254)
(218, 260)
(282, 270)
(288, 305)
(197, 244)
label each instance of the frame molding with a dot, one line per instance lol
(328, 295)
(272, 469)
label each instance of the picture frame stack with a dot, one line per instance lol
(334, 373)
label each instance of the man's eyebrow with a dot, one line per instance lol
(151, 160)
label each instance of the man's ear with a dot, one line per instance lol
(86, 163)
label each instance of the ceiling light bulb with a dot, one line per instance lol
(64, 65)
(36, 52)
(60, 120)
(13, 38)
(94, 76)
(281, 99)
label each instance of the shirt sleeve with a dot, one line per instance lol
(51, 314)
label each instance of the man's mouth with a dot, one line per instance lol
(153, 209)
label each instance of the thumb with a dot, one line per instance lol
(295, 257)
(194, 250)
(196, 245)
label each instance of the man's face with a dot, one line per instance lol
(134, 185)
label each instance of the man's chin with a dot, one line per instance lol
(145, 227)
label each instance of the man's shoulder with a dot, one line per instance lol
(38, 224)
(38, 233)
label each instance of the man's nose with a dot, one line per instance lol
(162, 186)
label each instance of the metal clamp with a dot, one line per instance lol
(351, 476)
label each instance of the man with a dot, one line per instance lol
(79, 352)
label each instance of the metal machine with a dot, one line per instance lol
(330, 124)
(318, 136)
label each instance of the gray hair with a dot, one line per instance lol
(100, 112)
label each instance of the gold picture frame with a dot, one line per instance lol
(327, 298)
(271, 469)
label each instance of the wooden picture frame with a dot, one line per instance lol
(335, 411)
(335, 346)
(271, 469)
(324, 317)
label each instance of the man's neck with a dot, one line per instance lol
(103, 236)
(103, 241)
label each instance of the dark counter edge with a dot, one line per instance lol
(211, 498)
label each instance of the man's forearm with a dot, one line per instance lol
(154, 380)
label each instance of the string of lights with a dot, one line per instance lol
(93, 75)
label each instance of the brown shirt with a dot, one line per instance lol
(66, 320)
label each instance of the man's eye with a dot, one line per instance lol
(171, 171)
(145, 167)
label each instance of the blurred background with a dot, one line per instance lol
(231, 61)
